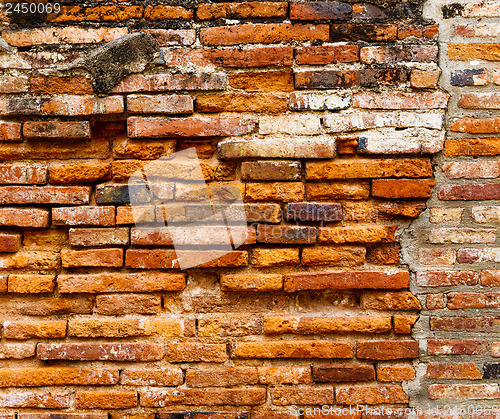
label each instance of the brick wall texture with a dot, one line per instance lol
(363, 138)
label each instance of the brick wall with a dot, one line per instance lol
(329, 118)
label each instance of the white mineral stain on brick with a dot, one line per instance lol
(462, 235)
(473, 170)
(319, 101)
(412, 140)
(290, 124)
(487, 214)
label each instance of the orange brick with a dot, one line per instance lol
(266, 81)
(31, 283)
(54, 85)
(95, 257)
(387, 373)
(243, 10)
(402, 188)
(161, 12)
(106, 399)
(268, 103)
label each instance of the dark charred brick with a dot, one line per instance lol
(385, 76)
(326, 79)
(286, 234)
(343, 373)
(320, 10)
(466, 77)
(118, 194)
(452, 10)
(363, 32)
(309, 211)
(491, 371)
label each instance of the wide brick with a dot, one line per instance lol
(470, 77)
(463, 391)
(275, 257)
(286, 396)
(490, 278)
(71, 195)
(456, 347)
(104, 216)
(343, 373)
(225, 327)
(13, 84)
(319, 55)
(292, 349)
(491, 254)
(171, 82)
(127, 304)
(170, 104)
(54, 85)
(355, 168)
(57, 130)
(173, 36)
(206, 415)
(252, 57)
(383, 301)
(326, 325)
(357, 234)
(79, 172)
(471, 192)
(345, 280)
(39, 330)
(31, 283)
(98, 236)
(100, 351)
(269, 169)
(299, 101)
(222, 377)
(211, 397)
(389, 373)
(284, 375)
(56, 306)
(286, 234)
(462, 235)
(420, 79)
(243, 10)
(479, 101)
(55, 376)
(476, 324)
(10, 243)
(362, 395)
(69, 34)
(107, 328)
(275, 191)
(447, 279)
(160, 12)
(35, 400)
(472, 170)
(106, 399)
(188, 127)
(331, 79)
(402, 188)
(345, 256)
(394, 141)
(386, 350)
(320, 10)
(195, 352)
(142, 149)
(10, 131)
(151, 377)
(473, 146)
(314, 211)
(263, 33)
(265, 81)
(242, 102)
(464, 371)
(399, 53)
(31, 260)
(368, 32)
(121, 282)
(295, 125)
(435, 100)
(251, 282)
(473, 51)
(477, 126)
(337, 190)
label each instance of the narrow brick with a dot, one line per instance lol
(314, 211)
(435, 100)
(70, 195)
(450, 371)
(112, 399)
(53, 85)
(104, 216)
(473, 146)
(106, 328)
(447, 279)
(171, 82)
(79, 172)
(463, 391)
(143, 351)
(470, 192)
(479, 101)
(357, 234)
(433, 256)
(326, 325)
(195, 352)
(152, 377)
(472, 170)
(38, 330)
(168, 104)
(10, 243)
(470, 77)
(119, 304)
(275, 257)
(389, 373)
(399, 53)
(251, 282)
(337, 190)
(36, 400)
(57, 130)
(343, 373)
(345, 280)
(222, 377)
(243, 10)
(370, 395)
(345, 256)
(473, 51)
(456, 347)
(385, 301)
(88, 237)
(242, 102)
(286, 396)
(319, 55)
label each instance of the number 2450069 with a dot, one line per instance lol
(32, 8)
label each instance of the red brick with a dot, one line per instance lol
(465, 371)
(434, 256)
(53, 85)
(385, 301)
(263, 81)
(345, 280)
(251, 282)
(475, 324)
(10, 243)
(55, 376)
(286, 234)
(98, 13)
(171, 82)
(459, 300)
(345, 256)
(490, 278)
(286, 396)
(252, 57)
(169, 104)
(343, 373)
(479, 101)
(106, 328)
(187, 127)
(243, 10)
(475, 192)
(121, 282)
(435, 100)
(13, 84)
(447, 279)
(402, 188)
(463, 391)
(420, 79)
(456, 347)
(319, 55)
(106, 399)
(320, 10)
(338, 190)
(10, 131)
(211, 397)
(98, 236)
(263, 34)
(386, 350)
(477, 126)
(292, 349)
(100, 351)
(368, 32)
(368, 395)
(72, 195)
(173, 36)
(435, 301)
(84, 216)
